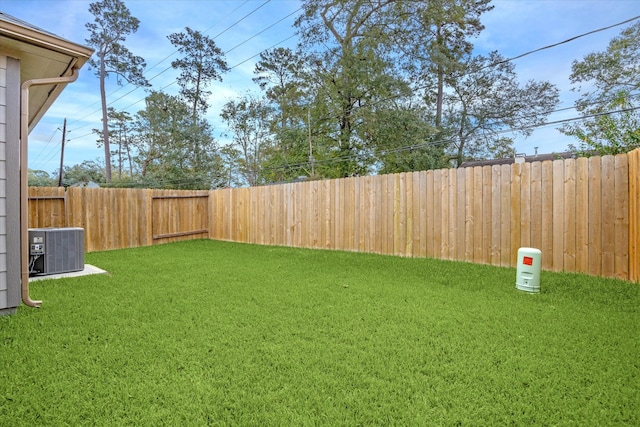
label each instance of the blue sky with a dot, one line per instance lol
(245, 28)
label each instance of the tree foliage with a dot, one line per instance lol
(83, 173)
(40, 178)
(201, 63)
(485, 100)
(609, 82)
(165, 137)
(374, 86)
(248, 119)
(112, 24)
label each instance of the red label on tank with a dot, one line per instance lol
(527, 260)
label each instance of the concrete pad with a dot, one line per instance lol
(88, 270)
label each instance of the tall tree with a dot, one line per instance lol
(165, 134)
(280, 74)
(112, 24)
(350, 70)
(119, 134)
(608, 82)
(201, 63)
(248, 119)
(485, 100)
(436, 36)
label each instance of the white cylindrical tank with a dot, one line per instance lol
(528, 269)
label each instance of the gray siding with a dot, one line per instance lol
(9, 184)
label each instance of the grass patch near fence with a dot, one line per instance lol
(215, 333)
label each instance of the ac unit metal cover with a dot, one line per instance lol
(63, 250)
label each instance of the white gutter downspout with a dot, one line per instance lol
(24, 179)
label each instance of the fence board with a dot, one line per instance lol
(525, 206)
(516, 209)
(621, 221)
(453, 209)
(496, 205)
(557, 211)
(536, 208)
(409, 200)
(634, 215)
(443, 251)
(505, 216)
(460, 214)
(469, 215)
(486, 214)
(478, 250)
(595, 216)
(582, 215)
(423, 213)
(569, 216)
(546, 216)
(608, 213)
(416, 218)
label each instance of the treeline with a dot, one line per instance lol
(374, 86)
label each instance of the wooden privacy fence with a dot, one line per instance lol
(582, 213)
(122, 218)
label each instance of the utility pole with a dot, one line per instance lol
(64, 136)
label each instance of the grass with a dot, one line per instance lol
(214, 333)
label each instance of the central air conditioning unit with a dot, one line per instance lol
(55, 250)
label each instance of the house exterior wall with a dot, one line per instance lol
(9, 185)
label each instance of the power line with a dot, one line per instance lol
(567, 40)
(174, 52)
(442, 142)
(423, 87)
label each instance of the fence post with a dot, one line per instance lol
(634, 215)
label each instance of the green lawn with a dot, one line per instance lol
(214, 333)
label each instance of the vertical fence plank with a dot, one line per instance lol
(634, 215)
(437, 213)
(453, 209)
(423, 213)
(349, 210)
(408, 249)
(547, 220)
(415, 216)
(469, 214)
(496, 205)
(336, 217)
(486, 214)
(516, 176)
(398, 214)
(429, 212)
(505, 216)
(595, 216)
(582, 215)
(328, 185)
(559, 213)
(607, 183)
(621, 215)
(478, 219)
(569, 216)
(460, 213)
(390, 214)
(536, 206)
(525, 205)
(443, 251)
